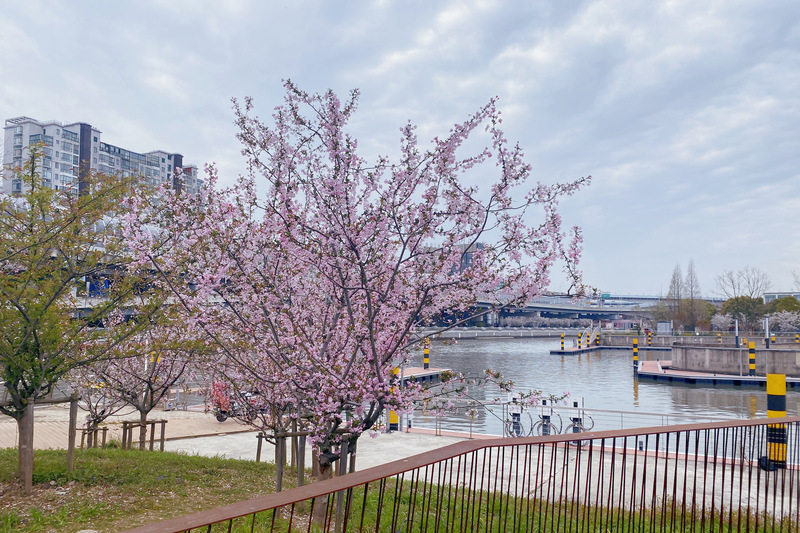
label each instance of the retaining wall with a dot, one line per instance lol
(736, 361)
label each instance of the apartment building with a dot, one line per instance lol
(72, 150)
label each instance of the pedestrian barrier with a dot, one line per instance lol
(700, 477)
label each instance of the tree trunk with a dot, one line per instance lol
(142, 430)
(321, 503)
(25, 430)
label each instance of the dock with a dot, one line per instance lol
(661, 371)
(423, 375)
(574, 350)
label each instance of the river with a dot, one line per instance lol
(602, 381)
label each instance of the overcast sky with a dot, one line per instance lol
(686, 113)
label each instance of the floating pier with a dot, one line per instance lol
(423, 375)
(661, 371)
(572, 350)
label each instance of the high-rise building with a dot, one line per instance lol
(72, 150)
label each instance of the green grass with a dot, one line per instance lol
(114, 489)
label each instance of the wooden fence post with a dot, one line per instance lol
(73, 423)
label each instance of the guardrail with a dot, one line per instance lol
(702, 477)
(494, 419)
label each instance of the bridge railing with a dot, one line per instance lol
(704, 477)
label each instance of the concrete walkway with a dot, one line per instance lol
(195, 432)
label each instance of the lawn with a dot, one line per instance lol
(114, 489)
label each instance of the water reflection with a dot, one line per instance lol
(604, 379)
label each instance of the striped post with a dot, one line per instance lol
(597, 339)
(772, 339)
(635, 354)
(649, 338)
(719, 338)
(580, 340)
(562, 341)
(426, 361)
(752, 347)
(394, 420)
(797, 338)
(776, 433)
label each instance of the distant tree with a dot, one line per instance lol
(721, 322)
(787, 303)
(660, 311)
(675, 296)
(784, 321)
(748, 311)
(52, 244)
(694, 308)
(749, 281)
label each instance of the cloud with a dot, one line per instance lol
(686, 113)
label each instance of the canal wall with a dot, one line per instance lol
(730, 360)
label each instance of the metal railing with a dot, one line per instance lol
(492, 418)
(703, 477)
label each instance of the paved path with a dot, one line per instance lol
(52, 424)
(195, 432)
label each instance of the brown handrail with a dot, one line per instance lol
(394, 468)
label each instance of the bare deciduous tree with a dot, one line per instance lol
(749, 281)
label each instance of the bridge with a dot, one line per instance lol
(606, 308)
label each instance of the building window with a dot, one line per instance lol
(58, 131)
(17, 130)
(95, 149)
(94, 138)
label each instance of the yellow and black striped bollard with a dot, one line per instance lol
(649, 338)
(426, 361)
(635, 354)
(776, 433)
(394, 420)
(719, 338)
(752, 348)
(597, 339)
(797, 338)
(562, 342)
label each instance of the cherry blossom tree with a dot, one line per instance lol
(142, 370)
(721, 322)
(94, 397)
(785, 321)
(315, 288)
